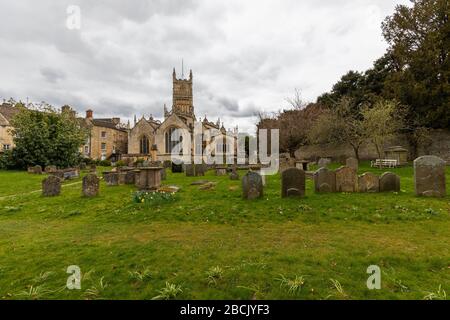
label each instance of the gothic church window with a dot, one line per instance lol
(144, 145)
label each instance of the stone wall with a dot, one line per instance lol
(440, 147)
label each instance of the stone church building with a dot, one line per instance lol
(149, 135)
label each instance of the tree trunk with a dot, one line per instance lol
(356, 150)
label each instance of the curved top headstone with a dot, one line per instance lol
(293, 182)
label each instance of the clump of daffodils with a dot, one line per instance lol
(155, 197)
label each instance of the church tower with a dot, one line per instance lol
(183, 102)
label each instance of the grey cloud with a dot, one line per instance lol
(247, 56)
(52, 75)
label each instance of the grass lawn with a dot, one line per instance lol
(214, 245)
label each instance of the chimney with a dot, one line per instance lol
(89, 114)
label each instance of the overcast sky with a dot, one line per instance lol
(246, 55)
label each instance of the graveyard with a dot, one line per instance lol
(201, 239)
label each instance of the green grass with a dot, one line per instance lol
(211, 244)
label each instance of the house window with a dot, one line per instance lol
(6, 147)
(103, 134)
(144, 145)
(171, 140)
(221, 148)
(103, 146)
(86, 149)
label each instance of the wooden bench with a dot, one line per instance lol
(385, 163)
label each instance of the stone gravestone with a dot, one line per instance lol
(200, 170)
(111, 178)
(51, 186)
(323, 162)
(129, 177)
(163, 173)
(252, 186)
(324, 181)
(221, 171)
(50, 169)
(91, 185)
(37, 169)
(429, 176)
(177, 168)
(190, 170)
(369, 182)
(346, 180)
(352, 163)
(389, 182)
(293, 183)
(234, 175)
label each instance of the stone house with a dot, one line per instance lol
(107, 138)
(7, 112)
(150, 134)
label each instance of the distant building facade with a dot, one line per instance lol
(107, 138)
(7, 112)
(150, 134)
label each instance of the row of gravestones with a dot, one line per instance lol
(429, 180)
(51, 186)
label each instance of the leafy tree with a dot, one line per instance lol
(382, 122)
(43, 136)
(340, 124)
(419, 44)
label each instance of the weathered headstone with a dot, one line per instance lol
(71, 173)
(234, 175)
(429, 176)
(190, 170)
(324, 181)
(389, 182)
(252, 186)
(37, 169)
(221, 171)
(91, 185)
(346, 180)
(50, 169)
(293, 183)
(129, 177)
(163, 173)
(323, 162)
(368, 182)
(111, 178)
(177, 168)
(51, 186)
(200, 170)
(352, 163)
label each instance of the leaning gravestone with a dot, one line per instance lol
(368, 182)
(51, 186)
(352, 163)
(429, 176)
(346, 180)
(389, 182)
(293, 183)
(324, 181)
(252, 186)
(91, 185)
